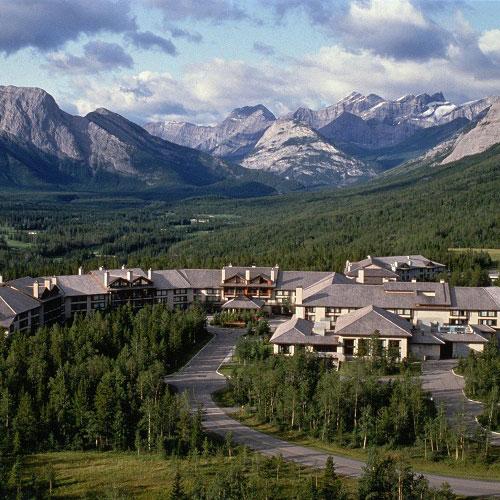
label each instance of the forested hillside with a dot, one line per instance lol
(427, 210)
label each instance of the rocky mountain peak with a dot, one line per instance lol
(247, 111)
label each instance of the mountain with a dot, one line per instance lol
(41, 145)
(482, 136)
(382, 132)
(231, 139)
(295, 151)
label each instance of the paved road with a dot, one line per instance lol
(438, 379)
(200, 380)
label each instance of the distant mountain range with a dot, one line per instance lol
(250, 153)
(349, 140)
(41, 146)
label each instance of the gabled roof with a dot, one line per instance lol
(298, 331)
(254, 271)
(476, 298)
(170, 280)
(14, 302)
(407, 261)
(202, 278)
(482, 329)
(243, 303)
(364, 322)
(421, 337)
(390, 295)
(466, 338)
(85, 284)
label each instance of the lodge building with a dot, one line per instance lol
(333, 314)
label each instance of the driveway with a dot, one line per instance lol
(200, 379)
(447, 388)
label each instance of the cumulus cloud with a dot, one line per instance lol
(148, 40)
(394, 28)
(97, 56)
(48, 24)
(206, 93)
(263, 48)
(489, 43)
(214, 10)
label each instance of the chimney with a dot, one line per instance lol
(150, 274)
(80, 271)
(1, 279)
(47, 282)
(36, 290)
(130, 275)
(53, 280)
(123, 267)
(442, 281)
(299, 295)
(361, 276)
(100, 268)
(273, 274)
(106, 278)
(414, 280)
(247, 274)
(223, 274)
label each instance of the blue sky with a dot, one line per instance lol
(195, 60)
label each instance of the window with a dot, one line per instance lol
(488, 314)
(180, 291)
(284, 349)
(181, 298)
(325, 348)
(489, 322)
(349, 347)
(161, 293)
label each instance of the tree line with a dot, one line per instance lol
(350, 407)
(98, 383)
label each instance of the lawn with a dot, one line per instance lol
(494, 252)
(95, 474)
(468, 469)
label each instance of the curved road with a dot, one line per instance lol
(200, 379)
(447, 388)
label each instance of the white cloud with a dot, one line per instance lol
(489, 43)
(383, 11)
(207, 92)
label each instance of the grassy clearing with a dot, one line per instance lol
(493, 252)
(468, 470)
(127, 475)
(9, 234)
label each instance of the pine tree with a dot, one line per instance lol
(177, 492)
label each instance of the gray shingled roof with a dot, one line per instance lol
(203, 278)
(13, 302)
(467, 338)
(86, 284)
(290, 280)
(363, 322)
(482, 329)
(391, 295)
(476, 298)
(243, 303)
(169, 280)
(298, 331)
(413, 261)
(420, 337)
